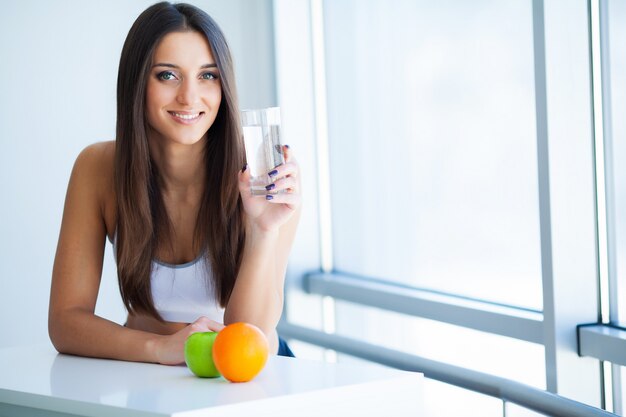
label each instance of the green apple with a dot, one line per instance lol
(199, 354)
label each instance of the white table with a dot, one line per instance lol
(37, 381)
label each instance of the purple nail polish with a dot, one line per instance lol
(287, 146)
(244, 168)
(272, 173)
(269, 197)
(270, 187)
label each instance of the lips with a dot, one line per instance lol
(185, 117)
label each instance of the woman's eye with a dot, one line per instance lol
(208, 76)
(166, 76)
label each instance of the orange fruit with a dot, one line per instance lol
(240, 351)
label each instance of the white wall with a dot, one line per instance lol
(57, 95)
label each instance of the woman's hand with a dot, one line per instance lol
(272, 211)
(170, 350)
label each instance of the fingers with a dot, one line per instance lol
(291, 199)
(205, 324)
(287, 153)
(288, 168)
(285, 183)
(244, 174)
(285, 178)
(244, 180)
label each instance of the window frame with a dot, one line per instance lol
(568, 196)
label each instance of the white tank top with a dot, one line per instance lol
(182, 293)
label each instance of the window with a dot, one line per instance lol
(433, 145)
(460, 151)
(613, 35)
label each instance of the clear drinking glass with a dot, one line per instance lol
(264, 151)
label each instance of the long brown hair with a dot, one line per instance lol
(142, 220)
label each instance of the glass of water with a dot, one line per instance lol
(264, 150)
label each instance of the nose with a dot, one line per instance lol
(187, 92)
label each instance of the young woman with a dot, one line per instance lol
(194, 249)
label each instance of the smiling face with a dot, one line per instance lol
(183, 92)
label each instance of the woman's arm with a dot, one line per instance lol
(72, 325)
(257, 296)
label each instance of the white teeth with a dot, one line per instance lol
(187, 116)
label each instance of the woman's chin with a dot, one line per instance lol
(185, 140)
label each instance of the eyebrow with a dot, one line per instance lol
(165, 64)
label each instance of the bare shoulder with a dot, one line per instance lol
(97, 156)
(94, 167)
